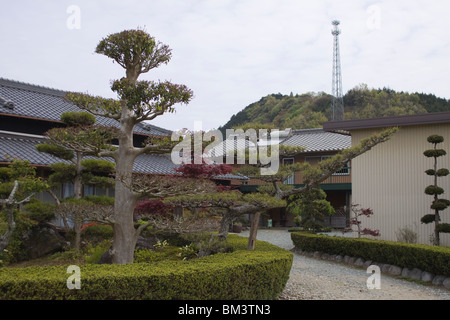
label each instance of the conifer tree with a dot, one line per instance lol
(438, 204)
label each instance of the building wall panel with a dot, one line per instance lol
(391, 179)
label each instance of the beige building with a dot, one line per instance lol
(390, 179)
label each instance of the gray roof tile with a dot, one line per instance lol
(48, 104)
(315, 140)
(24, 148)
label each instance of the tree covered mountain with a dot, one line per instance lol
(311, 109)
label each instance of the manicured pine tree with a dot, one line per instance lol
(438, 204)
(69, 145)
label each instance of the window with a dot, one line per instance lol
(67, 190)
(291, 178)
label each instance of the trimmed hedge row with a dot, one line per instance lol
(424, 257)
(242, 274)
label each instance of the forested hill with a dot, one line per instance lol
(310, 110)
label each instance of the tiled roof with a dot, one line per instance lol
(48, 104)
(315, 140)
(24, 148)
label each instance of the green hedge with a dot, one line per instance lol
(429, 258)
(242, 274)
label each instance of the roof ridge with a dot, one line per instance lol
(31, 87)
(307, 130)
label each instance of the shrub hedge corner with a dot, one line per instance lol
(241, 275)
(425, 257)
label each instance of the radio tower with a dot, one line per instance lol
(338, 99)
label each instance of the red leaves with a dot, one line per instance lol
(154, 207)
(375, 233)
(354, 221)
(204, 170)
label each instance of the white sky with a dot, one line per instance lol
(232, 52)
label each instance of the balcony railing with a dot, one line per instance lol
(342, 176)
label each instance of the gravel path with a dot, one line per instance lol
(314, 279)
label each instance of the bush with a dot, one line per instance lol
(96, 233)
(242, 274)
(94, 253)
(430, 258)
(160, 253)
(40, 211)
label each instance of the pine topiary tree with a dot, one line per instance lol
(438, 204)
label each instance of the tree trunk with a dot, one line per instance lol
(253, 231)
(125, 235)
(77, 183)
(77, 228)
(4, 240)
(437, 240)
(225, 225)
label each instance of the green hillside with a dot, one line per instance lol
(310, 110)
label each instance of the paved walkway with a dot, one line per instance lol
(315, 279)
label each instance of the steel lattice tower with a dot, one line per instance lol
(338, 98)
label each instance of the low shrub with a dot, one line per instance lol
(158, 254)
(430, 258)
(96, 233)
(94, 253)
(241, 274)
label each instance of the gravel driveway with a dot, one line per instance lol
(314, 279)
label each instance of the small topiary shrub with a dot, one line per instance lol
(438, 205)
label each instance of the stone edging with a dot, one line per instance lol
(417, 274)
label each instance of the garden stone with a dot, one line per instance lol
(359, 262)
(446, 283)
(145, 243)
(106, 258)
(325, 256)
(395, 271)
(351, 260)
(427, 276)
(339, 258)
(415, 273)
(317, 254)
(43, 240)
(438, 280)
(367, 264)
(405, 272)
(346, 259)
(385, 268)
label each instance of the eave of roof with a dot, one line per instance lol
(345, 126)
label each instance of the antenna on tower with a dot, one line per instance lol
(337, 105)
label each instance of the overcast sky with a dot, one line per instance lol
(232, 52)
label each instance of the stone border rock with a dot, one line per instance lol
(387, 269)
